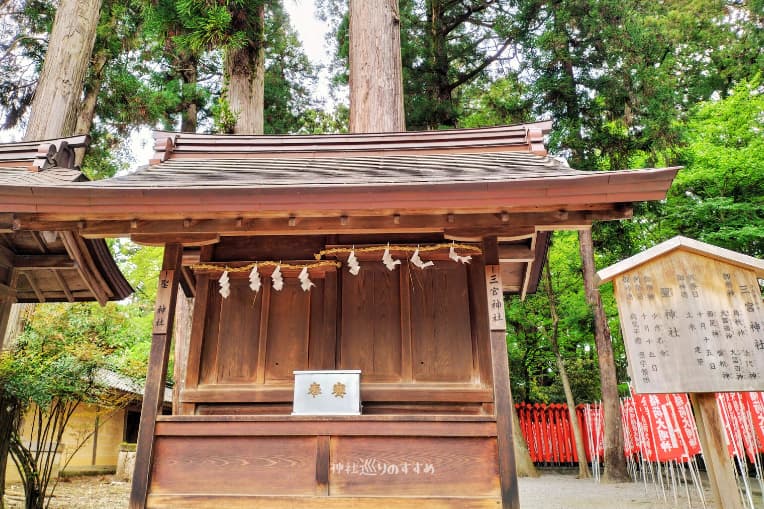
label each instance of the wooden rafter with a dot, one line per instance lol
(64, 287)
(38, 240)
(35, 288)
(92, 280)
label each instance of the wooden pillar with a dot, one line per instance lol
(7, 300)
(182, 335)
(718, 464)
(502, 395)
(153, 394)
(5, 312)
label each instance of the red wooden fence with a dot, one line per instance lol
(659, 427)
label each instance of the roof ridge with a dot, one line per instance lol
(527, 137)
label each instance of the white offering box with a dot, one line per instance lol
(327, 392)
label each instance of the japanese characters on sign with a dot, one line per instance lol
(495, 291)
(692, 324)
(327, 393)
(376, 467)
(161, 313)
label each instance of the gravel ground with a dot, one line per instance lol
(564, 491)
(550, 491)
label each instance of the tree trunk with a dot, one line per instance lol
(245, 73)
(188, 70)
(376, 79)
(57, 98)
(89, 102)
(583, 466)
(440, 67)
(87, 110)
(615, 461)
(523, 463)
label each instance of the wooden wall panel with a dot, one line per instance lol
(208, 367)
(440, 324)
(323, 325)
(235, 465)
(288, 331)
(370, 329)
(238, 334)
(413, 466)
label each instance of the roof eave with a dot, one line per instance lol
(91, 202)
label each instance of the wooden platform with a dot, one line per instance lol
(261, 461)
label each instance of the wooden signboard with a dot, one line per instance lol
(692, 323)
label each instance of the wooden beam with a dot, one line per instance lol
(6, 256)
(189, 231)
(7, 291)
(501, 389)
(35, 288)
(186, 239)
(5, 312)
(64, 287)
(478, 234)
(188, 282)
(528, 269)
(153, 396)
(721, 473)
(515, 253)
(41, 245)
(7, 300)
(43, 261)
(93, 280)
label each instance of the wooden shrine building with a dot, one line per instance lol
(47, 264)
(313, 253)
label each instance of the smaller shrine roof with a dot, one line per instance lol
(51, 266)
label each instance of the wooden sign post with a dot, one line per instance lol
(510, 498)
(693, 321)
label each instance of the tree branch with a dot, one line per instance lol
(465, 77)
(475, 8)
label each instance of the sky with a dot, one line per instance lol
(312, 33)
(310, 29)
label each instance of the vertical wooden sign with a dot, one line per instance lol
(496, 316)
(161, 305)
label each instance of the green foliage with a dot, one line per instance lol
(719, 197)
(445, 46)
(23, 44)
(494, 102)
(229, 24)
(223, 117)
(52, 369)
(448, 46)
(534, 374)
(618, 77)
